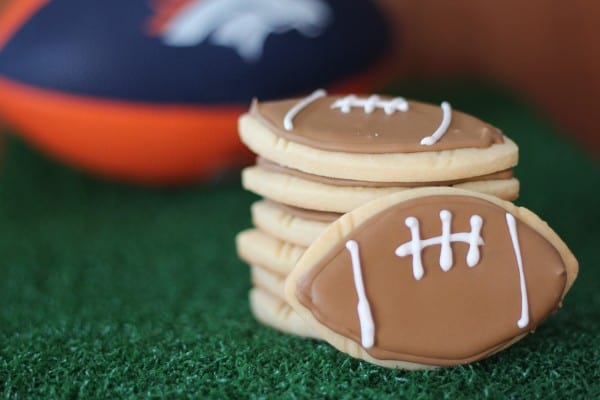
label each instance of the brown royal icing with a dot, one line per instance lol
(271, 166)
(445, 318)
(318, 125)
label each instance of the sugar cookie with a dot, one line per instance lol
(277, 314)
(431, 277)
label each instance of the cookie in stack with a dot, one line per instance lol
(431, 277)
(322, 156)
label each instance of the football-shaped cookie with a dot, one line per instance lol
(374, 124)
(376, 139)
(431, 277)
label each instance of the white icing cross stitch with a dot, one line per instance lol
(415, 246)
(369, 104)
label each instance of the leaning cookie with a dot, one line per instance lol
(431, 277)
(375, 139)
(309, 194)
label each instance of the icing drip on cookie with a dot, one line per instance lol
(441, 130)
(415, 246)
(512, 229)
(288, 119)
(367, 326)
(370, 103)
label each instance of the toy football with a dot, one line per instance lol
(150, 91)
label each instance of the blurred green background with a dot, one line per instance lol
(112, 291)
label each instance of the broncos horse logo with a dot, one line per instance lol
(242, 25)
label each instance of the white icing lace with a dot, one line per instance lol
(416, 245)
(369, 104)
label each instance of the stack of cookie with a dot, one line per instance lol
(322, 156)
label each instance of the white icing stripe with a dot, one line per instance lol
(288, 119)
(370, 103)
(474, 238)
(512, 229)
(446, 250)
(415, 246)
(367, 326)
(441, 130)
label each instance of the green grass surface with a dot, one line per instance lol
(111, 291)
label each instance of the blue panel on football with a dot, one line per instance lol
(205, 51)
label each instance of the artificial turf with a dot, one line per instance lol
(112, 291)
